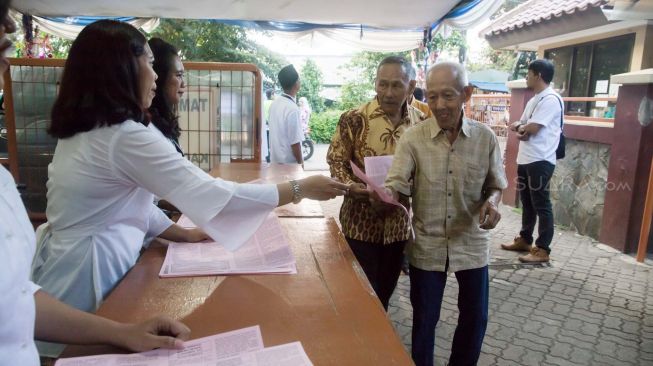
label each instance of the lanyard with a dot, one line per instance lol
(289, 97)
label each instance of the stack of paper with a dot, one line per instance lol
(267, 251)
(242, 347)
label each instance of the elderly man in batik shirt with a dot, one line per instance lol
(377, 236)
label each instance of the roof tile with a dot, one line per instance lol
(537, 11)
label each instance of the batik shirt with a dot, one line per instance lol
(367, 131)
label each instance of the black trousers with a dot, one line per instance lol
(533, 186)
(381, 264)
(426, 293)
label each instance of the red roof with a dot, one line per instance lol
(537, 11)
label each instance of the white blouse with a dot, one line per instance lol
(100, 209)
(17, 308)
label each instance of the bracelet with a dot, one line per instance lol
(296, 191)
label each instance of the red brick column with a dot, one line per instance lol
(630, 162)
(519, 96)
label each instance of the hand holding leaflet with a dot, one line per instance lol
(380, 191)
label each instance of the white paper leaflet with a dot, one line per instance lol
(202, 351)
(379, 189)
(267, 251)
(377, 167)
(242, 347)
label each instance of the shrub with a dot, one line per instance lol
(323, 125)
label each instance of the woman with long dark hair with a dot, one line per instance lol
(170, 87)
(108, 163)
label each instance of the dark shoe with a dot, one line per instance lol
(518, 245)
(537, 255)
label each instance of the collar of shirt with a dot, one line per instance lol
(289, 97)
(543, 93)
(436, 130)
(373, 110)
(416, 110)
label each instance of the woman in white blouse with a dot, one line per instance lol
(109, 162)
(26, 311)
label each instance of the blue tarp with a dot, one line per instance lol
(84, 21)
(490, 86)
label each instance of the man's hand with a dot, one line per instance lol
(297, 153)
(158, 332)
(522, 135)
(382, 208)
(514, 126)
(358, 191)
(489, 216)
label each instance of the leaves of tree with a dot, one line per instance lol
(312, 81)
(202, 40)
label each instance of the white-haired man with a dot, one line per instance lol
(452, 168)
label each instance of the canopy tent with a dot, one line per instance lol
(359, 23)
(70, 27)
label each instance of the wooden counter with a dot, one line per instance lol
(329, 306)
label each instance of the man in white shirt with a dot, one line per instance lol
(539, 131)
(26, 311)
(286, 133)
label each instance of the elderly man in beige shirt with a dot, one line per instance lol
(452, 168)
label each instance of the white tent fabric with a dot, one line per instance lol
(476, 15)
(387, 14)
(375, 41)
(419, 15)
(394, 41)
(70, 31)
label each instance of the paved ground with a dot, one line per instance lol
(590, 306)
(318, 160)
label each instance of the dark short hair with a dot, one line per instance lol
(163, 112)
(544, 68)
(418, 93)
(268, 93)
(408, 69)
(100, 83)
(288, 76)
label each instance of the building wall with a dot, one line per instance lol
(578, 186)
(647, 54)
(642, 49)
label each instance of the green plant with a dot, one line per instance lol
(204, 40)
(323, 125)
(354, 93)
(311, 80)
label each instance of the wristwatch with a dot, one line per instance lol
(296, 191)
